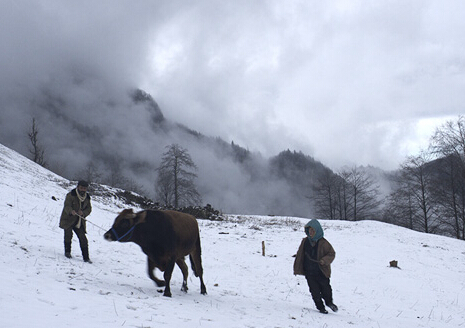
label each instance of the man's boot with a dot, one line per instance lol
(68, 250)
(85, 255)
(321, 307)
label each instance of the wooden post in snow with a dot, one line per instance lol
(263, 248)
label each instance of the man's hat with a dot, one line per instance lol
(83, 183)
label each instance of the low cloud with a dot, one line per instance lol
(344, 82)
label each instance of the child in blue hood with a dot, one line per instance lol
(313, 260)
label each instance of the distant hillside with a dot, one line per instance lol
(118, 140)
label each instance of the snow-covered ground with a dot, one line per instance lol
(42, 288)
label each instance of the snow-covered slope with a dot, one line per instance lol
(41, 288)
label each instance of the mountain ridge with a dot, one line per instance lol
(120, 142)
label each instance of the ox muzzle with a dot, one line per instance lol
(113, 235)
(109, 235)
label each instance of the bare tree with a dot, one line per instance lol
(360, 193)
(175, 182)
(36, 150)
(448, 144)
(326, 196)
(345, 203)
(418, 184)
(399, 204)
(449, 139)
(448, 196)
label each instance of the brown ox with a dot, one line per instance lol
(166, 237)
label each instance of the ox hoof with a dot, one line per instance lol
(160, 283)
(167, 294)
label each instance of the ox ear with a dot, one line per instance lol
(128, 214)
(140, 217)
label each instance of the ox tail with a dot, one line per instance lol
(196, 259)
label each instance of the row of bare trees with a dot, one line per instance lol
(351, 195)
(427, 192)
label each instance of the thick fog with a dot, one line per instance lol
(345, 82)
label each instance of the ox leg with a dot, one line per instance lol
(167, 276)
(203, 289)
(151, 268)
(196, 261)
(183, 266)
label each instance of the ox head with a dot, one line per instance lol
(124, 225)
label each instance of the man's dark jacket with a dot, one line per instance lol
(72, 202)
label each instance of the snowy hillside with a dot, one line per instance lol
(42, 288)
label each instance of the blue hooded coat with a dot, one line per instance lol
(325, 252)
(315, 224)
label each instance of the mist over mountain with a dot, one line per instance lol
(118, 137)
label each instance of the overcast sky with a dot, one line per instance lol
(348, 82)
